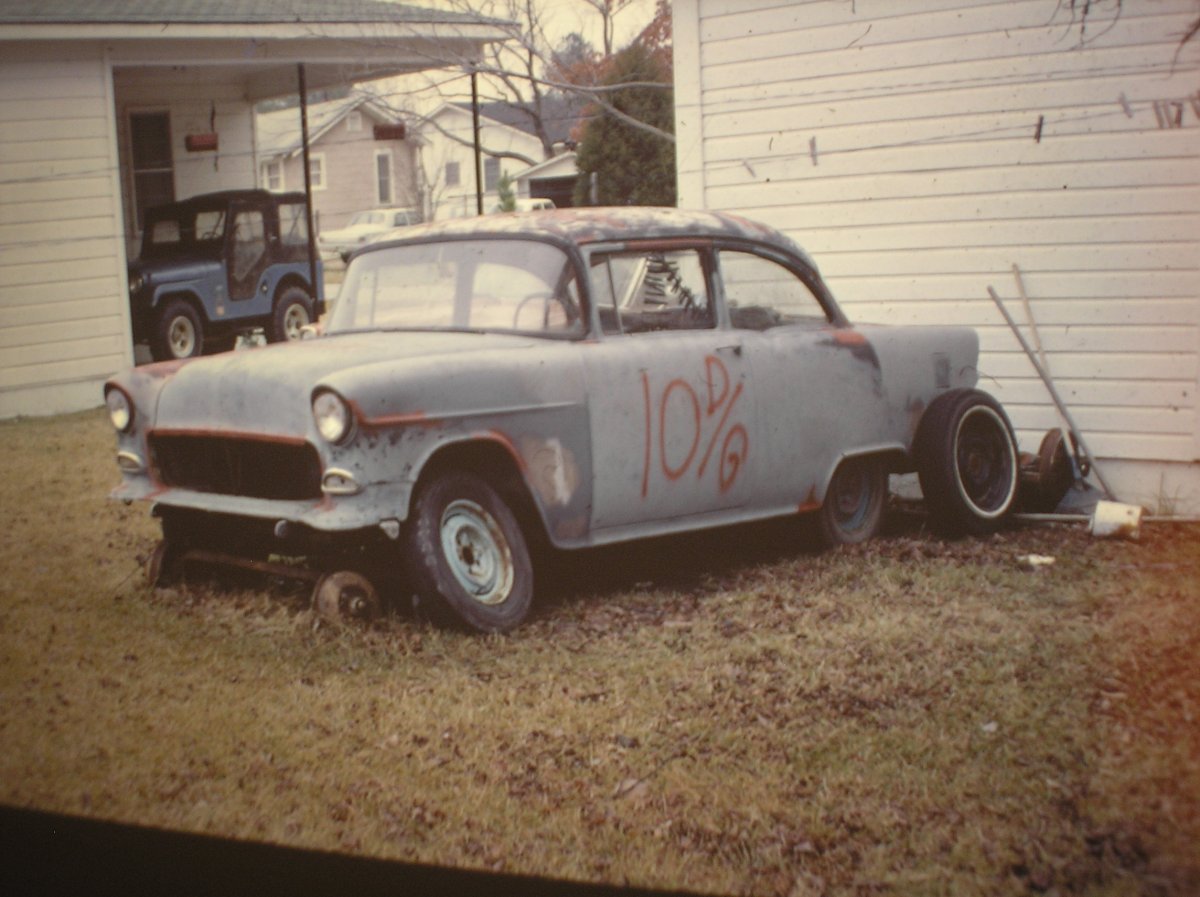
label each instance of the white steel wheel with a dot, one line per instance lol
(476, 552)
(467, 555)
(292, 312)
(295, 319)
(181, 337)
(177, 332)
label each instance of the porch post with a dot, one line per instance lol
(478, 152)
(318, 292)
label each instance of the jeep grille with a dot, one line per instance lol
(231, 466)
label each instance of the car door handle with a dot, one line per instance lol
(733, 350)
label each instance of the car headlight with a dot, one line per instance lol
(136, 283)
(331, 415)
(120, 408)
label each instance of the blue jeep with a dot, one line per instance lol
(220, 264)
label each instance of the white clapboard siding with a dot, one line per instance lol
(920, 151)
(63, 322)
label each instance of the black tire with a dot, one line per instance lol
(178, 332)
(293, 310)
(967, 462)
(467, 556)
(853, 506)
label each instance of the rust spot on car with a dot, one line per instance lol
(276, 438)
(810, 502)
(849, 338)
(503, 439)
(409, 419)
(857, 344)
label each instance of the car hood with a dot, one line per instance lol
(175, 268)
(268, 391)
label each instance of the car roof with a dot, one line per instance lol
(604, 225)
(220, 197)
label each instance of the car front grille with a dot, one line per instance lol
(255, 468)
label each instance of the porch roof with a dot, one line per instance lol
(339, 41)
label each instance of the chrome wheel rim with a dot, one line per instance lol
(477, 552)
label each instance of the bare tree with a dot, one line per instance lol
(525, 74)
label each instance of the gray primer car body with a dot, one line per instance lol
(610, 436)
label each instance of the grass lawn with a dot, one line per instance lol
(732, 712)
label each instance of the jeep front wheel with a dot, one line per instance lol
(178, 332)
(293, 312)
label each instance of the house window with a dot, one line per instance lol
(354, 121)
(316, 170)
(453, 175)
(153, 169)
(491, 173)
(383, 176)
(272, 175)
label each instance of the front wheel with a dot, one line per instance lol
(293, 312)
(178, 332)
(967, 462)
(467, 554)
(853, 506)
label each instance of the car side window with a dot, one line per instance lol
(761, 293)
(639, 292)
(293, 224)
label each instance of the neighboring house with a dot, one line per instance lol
(920, 151)
(553, 179)
(448, 159)
(509, 147)
(107, 108)
(359, 151)
(557, 114)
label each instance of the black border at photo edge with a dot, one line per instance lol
(53, 853)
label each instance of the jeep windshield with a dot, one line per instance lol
(171, 230)
(503, 285)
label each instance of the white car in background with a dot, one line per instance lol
(362, 227)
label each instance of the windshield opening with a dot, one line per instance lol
(495, 285)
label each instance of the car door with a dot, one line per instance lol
(671, 412)
(246, 255)
(819, 387)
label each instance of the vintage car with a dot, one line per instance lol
(220, 264)
(488, 388)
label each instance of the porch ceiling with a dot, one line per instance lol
(267, 68)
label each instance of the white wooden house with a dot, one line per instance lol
(107, 107)
(922, 150)
(448, 159)
(360, 153)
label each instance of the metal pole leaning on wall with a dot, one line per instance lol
(1058, 402)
